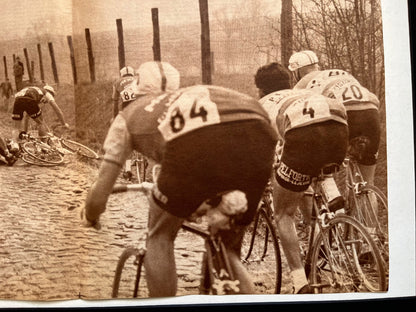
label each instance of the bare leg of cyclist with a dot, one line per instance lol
(42, 127)
(233, 241)
(368, 173)
(286, 203)
(159, 262)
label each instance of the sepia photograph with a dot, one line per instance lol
(157, 152)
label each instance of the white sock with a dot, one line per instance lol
(299, 279)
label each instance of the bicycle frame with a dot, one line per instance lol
(217, 273)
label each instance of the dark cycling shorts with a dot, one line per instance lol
(366, 123)
(214, 159)
(30, 106)
(307, 149)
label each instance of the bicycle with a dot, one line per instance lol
(260, 249)
(217, 276)
(367, 203)
(342, 256)
(141, 164)
(34, 151)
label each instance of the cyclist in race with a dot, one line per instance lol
(29, 100)
(208, 140)
(361, 105)
(312, 132)
(124, 89)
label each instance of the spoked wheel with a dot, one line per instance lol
(129, 279)
(346, 259)
(260, 253)
(34, 161)
(79, 148)
(42, 153)
(370, 209)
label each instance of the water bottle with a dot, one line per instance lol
(331, 194)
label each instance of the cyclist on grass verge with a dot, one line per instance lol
(208, 140)
(125, 91)
(29, 100)
(361, 105)
(312, 132)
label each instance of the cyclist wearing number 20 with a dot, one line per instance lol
(208, 140)
(313, 132)
(361, 105)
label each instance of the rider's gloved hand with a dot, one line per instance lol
(89, 223)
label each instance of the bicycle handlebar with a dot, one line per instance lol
(142, 187)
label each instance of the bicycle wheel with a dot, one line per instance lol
(79, 148)
(346, 259)
(260, 253)
(43, 152)
(369, 207)
(34, 161)
(129, 279)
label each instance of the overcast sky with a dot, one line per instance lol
(19, 17)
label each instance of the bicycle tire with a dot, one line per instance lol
(337, 262)
(34, 161)
(264, 266)
(373, 214)
(130, 275)
(43, 153)
(79, 148)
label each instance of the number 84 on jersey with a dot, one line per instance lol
(193, 109)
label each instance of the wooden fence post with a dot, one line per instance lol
(121, 54)
(32, 70)
(90, 55)
(156, 35)
(205, 43)
(5, 67)
(29, 71)
(53, 62)
(42, 73)
(72, 57)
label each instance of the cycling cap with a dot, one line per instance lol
(127, 70)
(49, 89)
(157, 76)
(301, 59)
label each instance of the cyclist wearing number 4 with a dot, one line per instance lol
(208, 140)
(313, 132)
(361, 104)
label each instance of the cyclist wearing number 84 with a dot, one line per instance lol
(209, 140)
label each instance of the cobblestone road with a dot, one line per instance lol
(45, 254)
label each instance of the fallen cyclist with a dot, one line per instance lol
(9, 151)
(208, 140)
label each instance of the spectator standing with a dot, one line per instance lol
(18, 71)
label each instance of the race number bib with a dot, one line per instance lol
(306, 111)
(129, 93)
(193, 109)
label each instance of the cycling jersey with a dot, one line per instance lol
(339, 84)
(152, 120)
(289, 109)
(125, 89)
(33, 93)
